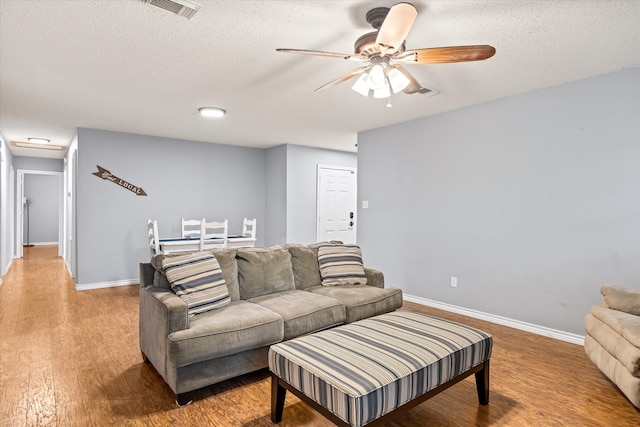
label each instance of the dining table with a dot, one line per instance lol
(182, 244)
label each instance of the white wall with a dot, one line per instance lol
(532, 201)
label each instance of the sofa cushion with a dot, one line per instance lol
(618, 346)
(362, 301)
(625, 324)
(227, 259)
(303, 312)
(232, 329)
(304, 261)
(621, 299)
(341, 265)
(197, 279)
(263, 271)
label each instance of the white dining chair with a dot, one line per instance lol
(249, 228)
(154, 238)
(191, 228)
(214, 234)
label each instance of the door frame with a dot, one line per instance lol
(355, 193)
(20, 208)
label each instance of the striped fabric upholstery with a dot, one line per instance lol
(341, 265)
(197, 279)
(366, 369)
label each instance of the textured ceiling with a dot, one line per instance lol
(130, 67)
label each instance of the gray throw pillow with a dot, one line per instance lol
(304, 260)
(263, 271)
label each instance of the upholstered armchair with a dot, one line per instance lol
(612, 341)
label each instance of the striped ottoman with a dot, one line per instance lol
(365, 372)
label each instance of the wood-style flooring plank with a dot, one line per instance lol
(70, 358)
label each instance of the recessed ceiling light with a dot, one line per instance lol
(211, 112)
(39, 140)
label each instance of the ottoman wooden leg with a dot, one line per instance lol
(482, 384)
(278, 394)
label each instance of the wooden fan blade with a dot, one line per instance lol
(396, 26)
(351, 74)
(442, 55)
(413, 86)
(318, 53)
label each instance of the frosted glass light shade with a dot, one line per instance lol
(397, 80)
(361, 85)
(382, 92)
(377, 78)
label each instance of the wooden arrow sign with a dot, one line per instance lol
(105, 174)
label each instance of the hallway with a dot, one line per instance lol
(58, 346)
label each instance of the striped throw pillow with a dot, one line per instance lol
(341, 265)
(197, 279)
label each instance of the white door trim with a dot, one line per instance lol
(20, 208)
(341, 168)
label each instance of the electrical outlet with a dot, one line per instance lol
(454, 282)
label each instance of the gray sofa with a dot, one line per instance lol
(275, 294)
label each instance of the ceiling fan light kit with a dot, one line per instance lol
(383, 52)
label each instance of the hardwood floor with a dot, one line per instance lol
(70, 358)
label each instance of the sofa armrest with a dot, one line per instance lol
(374, 277)
(146, 274)
(161, 313)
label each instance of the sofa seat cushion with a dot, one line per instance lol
(232, 329)
(625, 324)
(615, 344)
(303, 312)
(362, 301)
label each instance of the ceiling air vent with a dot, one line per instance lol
(177, 7)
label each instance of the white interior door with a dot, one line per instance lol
(337, 202)
(20, 208)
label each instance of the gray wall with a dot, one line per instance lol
(532, 202)
(291, 190)
(38, 163)
(302, 177)
(275, 225)
(182, 179)
(6, 207)
(42, 223)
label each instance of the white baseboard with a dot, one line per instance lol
(102, 285)
(516, 324)
(43, 243)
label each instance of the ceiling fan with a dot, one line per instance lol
(383, 53)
